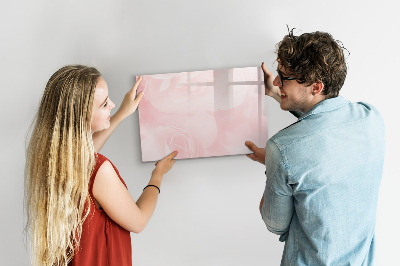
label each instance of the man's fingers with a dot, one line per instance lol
(251, 156)
(251, 146)
(265, 69)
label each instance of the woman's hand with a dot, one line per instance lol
(131, 101)
(165, 164)
(270, 89)
(128, 107)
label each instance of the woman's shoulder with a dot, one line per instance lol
(99, 161)
(102, 164)
(105, 167)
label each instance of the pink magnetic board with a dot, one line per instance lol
(202, 113)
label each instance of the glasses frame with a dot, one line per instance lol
(282, 78)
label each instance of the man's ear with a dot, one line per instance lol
(317, 88)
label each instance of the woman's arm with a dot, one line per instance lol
(116, 201)
(128, 107)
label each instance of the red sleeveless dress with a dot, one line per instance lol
(103, 241)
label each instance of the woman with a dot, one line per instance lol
(78, 207)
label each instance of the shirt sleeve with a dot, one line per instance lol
(277, 209)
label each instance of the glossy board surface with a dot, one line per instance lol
(202, 113)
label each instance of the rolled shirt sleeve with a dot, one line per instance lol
(277, 209)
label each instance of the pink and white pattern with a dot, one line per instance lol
(202, 113)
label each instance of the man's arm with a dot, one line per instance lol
(276, 205)
(270, 89)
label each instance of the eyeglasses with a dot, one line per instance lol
(282, 78)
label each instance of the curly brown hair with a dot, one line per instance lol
(314, 57)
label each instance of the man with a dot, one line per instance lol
(323, 171)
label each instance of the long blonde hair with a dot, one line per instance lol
(59, 161)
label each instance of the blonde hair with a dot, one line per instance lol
(59, 161)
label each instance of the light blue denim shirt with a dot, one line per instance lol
(323, 176)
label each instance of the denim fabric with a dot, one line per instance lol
(323, 176)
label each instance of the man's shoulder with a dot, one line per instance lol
(288, 135)
(366, 108)
(365, 113)
(324, 122)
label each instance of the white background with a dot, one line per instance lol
(208, 208)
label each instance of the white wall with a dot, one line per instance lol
(208, 208)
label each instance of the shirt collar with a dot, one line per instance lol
(325, 106)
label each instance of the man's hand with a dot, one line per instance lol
(259, 153)
(270, 89)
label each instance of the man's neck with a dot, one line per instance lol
(316, 100)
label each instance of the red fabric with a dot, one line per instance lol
(103, 241)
